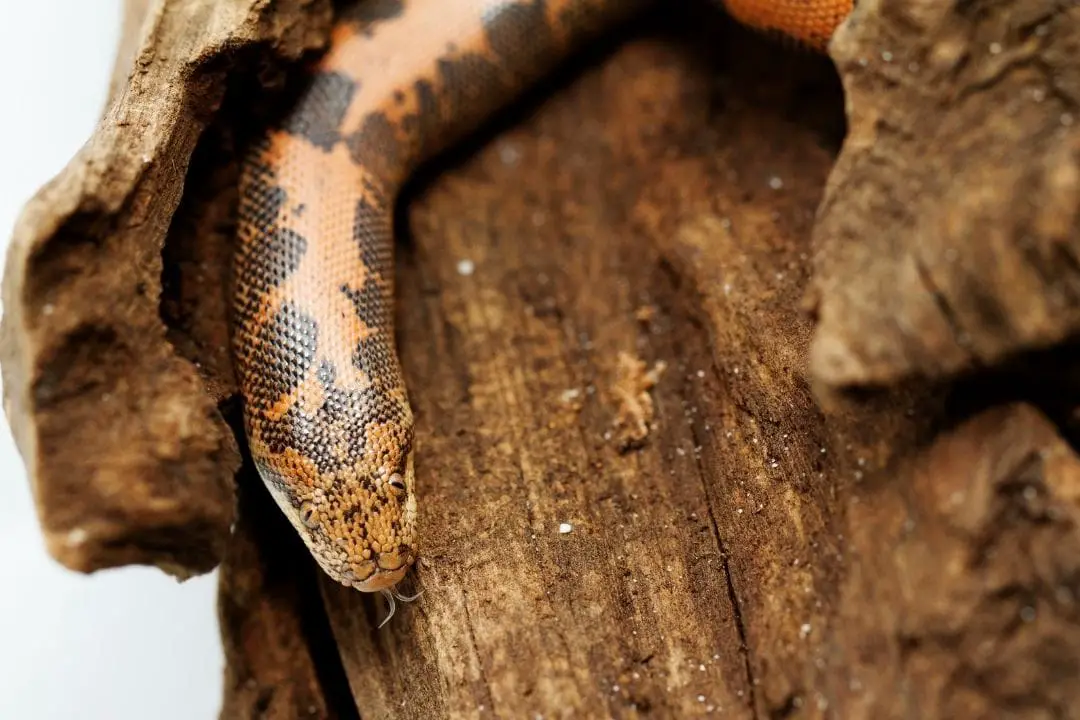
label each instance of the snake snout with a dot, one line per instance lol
(384, 572)
(381, 580)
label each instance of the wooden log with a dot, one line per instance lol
(632, 503)
(129, 458)
(956, 199)
(564, 573)
(962, 579)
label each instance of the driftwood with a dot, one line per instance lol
(129, 458)
(632, 501)
(962, 155)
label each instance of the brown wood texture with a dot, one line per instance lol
(638, 197)
(129, 458)
(962, 157)
(633, 504)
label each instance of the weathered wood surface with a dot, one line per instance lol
(129, 459)
(645, 183)
(906, 553)
(956, 201)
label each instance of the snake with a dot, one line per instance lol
(326, 409)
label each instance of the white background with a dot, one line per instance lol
(129, 643)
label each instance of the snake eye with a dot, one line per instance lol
(397, 484)
(307, 514)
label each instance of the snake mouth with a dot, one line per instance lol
(384, 573)
(381, 579)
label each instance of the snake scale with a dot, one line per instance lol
(326, 409)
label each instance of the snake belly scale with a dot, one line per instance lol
(326, 410)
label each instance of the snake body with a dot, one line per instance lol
(326, 410)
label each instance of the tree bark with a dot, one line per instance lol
(632, 500)
(962, 158)
(129, 458)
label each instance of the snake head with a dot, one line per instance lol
(359, 526)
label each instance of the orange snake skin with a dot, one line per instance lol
(325, 405)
